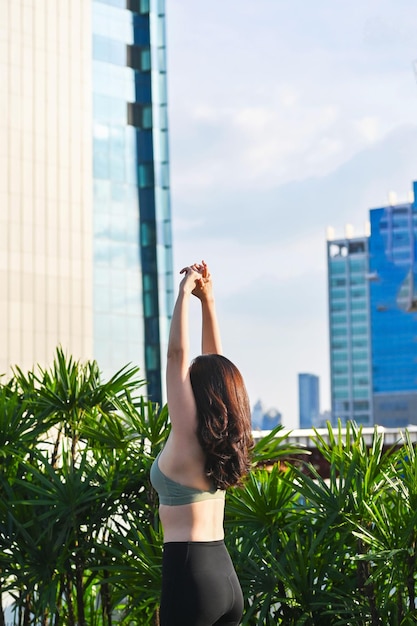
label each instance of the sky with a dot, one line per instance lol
(285, 117)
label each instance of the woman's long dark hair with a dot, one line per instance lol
(224, 420)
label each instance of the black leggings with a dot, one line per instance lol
(199, 585)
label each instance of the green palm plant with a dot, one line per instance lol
(287, 561)
(390, 536)
(329, 552)
(133, 550)
(49, 546)
(331, 575)
(356, 475)
(80, 476)
(259, 519)
(19, 430)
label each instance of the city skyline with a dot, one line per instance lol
(284, 119)
(373, 326)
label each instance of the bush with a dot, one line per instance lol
(80, 535)
(330, 552)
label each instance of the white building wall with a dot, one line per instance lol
(45, 181)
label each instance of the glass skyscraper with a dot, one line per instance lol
(393, 266)
(348, 288)
(132, 237)
(85, 227)
(373, 320)
(308, 400)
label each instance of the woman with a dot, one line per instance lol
(206, 452)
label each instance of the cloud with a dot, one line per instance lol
(279, 91)
(262, 215)
(386, 31)
(369, 127)
(263, 144)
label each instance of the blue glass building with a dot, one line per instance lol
(132, 272)
(308, 400)
(393, 303)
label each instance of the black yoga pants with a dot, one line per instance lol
(199, 585)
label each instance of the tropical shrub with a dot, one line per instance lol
(330, 552)
(79, 534)
(80, 539)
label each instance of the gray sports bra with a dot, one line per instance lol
(173, 494)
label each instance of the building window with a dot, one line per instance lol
(339, 332)
(339, 345)
(359, 330)
(338, 282)
(139, 115)
(138, 58)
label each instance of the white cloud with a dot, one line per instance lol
(269, 142)
(325, 149)
(254, 120)
(369, 128)
(388, 30)
(288, 95)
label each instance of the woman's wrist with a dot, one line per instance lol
(207, 304)
(185, 290)
(207, 299)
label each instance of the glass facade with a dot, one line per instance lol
(308, 400)
(133, 292)
(393, 263)
(350, 355)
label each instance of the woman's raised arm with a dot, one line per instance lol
(203, 290)
(181, 403)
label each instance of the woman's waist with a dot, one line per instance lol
(200, 521)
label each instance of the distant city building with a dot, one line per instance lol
(257, 415)
(373, 320)
(308, 400)
(265, 420)
(349, 328)
(271, 419)
(324, 418)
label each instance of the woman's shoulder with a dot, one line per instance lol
(182, 449)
